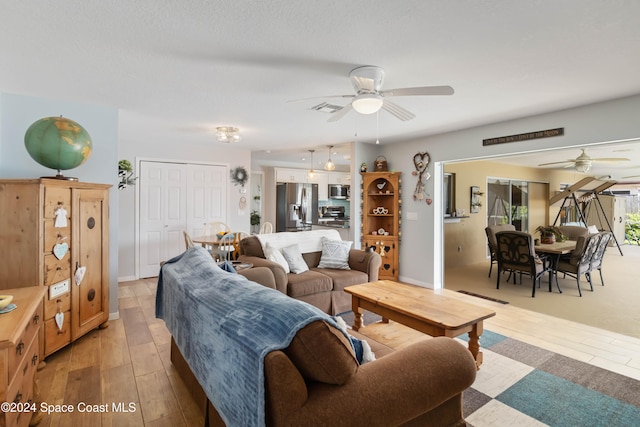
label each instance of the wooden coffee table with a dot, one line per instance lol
(421, 309)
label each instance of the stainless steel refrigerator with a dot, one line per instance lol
(296, 206)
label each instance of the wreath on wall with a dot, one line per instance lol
(239, 176)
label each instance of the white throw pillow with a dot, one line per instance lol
(593, 229)
(294, 257)
(335, 254)
(274, 254)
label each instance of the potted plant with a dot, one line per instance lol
(550, 234)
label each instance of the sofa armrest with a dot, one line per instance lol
(392, 390)
(366, 261)
(261, 275)
(279, 274)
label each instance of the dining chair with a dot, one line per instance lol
(491, 231)
(516, 253)
(598, 255)
(580, 261)
(214, 227)
(266, 228)
(229, 246)
(187, 240)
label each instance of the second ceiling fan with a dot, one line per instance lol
(369, 98)
(583, 162)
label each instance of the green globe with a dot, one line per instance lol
(58, 143)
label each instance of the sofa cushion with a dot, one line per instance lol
(343, 278)
(294, 258)
(322, 353)
(274, 254)
(308, 283)
(335, 254)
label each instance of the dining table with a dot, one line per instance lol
(555, 250)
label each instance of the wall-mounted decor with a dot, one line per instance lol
(125, 174)
(421, 163)
(476, 200)
(239, 176)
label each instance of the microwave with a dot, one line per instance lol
(338, 191)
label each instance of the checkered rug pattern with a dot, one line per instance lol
(523, 385)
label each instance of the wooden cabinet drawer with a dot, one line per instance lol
(20, 349)
(56, 270)
(54, 235)
(54, 338)
(60, 303)
(55, 198)
(21, 387)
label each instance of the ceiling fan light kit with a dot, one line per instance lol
(227, 134)
(329, 166)
(367, 103)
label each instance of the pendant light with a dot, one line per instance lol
(312, 173)
(329, 166)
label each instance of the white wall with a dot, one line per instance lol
(421, 247)
(18, 112)
(214, 152)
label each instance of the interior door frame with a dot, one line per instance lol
(138, 161)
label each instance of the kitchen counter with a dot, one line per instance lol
(342, 227)
(333, 222)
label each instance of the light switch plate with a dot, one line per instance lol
(59, 288)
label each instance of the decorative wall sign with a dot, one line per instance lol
(524, 136)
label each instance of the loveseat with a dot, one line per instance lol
(321, 287)
(312, 377)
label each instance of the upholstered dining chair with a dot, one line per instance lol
(580, 261)
(598, 256)
(491, 231)
(515, 253)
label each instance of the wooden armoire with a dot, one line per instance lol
(381, 215)
(55, 233)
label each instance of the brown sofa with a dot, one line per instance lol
(321, 287)
(316, 381)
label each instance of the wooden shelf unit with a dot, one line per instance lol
(381, 190)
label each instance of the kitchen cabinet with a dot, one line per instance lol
(381, 215)
(55, 234)
(339, 178)
(291, 175)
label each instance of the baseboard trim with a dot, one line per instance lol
(114, 316)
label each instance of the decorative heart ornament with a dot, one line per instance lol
(60, 250)
(429, 201)
(59, 320)
(381, 185)
(80, 274)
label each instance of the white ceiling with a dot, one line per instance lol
(178, 69)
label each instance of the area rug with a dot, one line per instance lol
(523, 385)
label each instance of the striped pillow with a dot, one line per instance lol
(335, 254)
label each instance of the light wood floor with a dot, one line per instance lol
(129, 361)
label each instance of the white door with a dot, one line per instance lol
(163, 213)
(176, 197)
(207, 196)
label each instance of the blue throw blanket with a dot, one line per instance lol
(224, 326)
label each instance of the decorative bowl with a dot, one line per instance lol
(5, 300)
(220, 235)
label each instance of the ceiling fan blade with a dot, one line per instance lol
(632, 176)
(558, 163)
(401, 113)
(611, 159)
(425, 90)
(321, 97)
(340, 113)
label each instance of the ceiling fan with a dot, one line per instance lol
(369, 99)
(583, 162)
